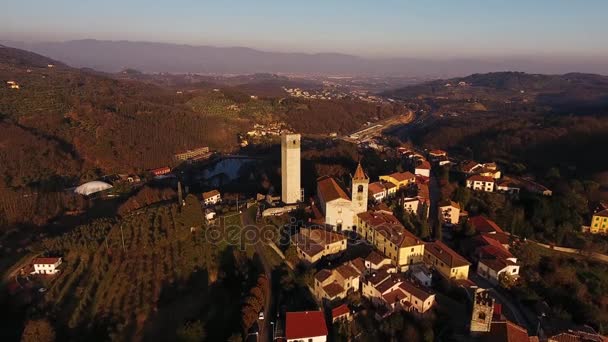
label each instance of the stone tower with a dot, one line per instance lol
(483, 310)
(360, 182)
(291, 192)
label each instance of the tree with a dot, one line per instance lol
(38, 331)
(505, 280)
(462, 195)
(468, 229)
(424, 230)
(438, 231)
(191, 332)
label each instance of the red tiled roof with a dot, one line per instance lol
(494, 251)
(470, 166)
(506, 331)
(376, 188)
(347, 271)
(603, 213)
(437, 152)
(496, 264)
(359, 264)
(444, 253)
(322, 275)
(479, 178)
(305, 324)
(45, 261)
(209, 194)
(424, 165)
(403, 176)
(339, 311)
(333, 289)
(415, 290)
(329, 190)
(484, 225)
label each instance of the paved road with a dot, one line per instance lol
(265, 328)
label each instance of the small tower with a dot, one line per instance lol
(360, 182)
(291, 192)
(483, 310)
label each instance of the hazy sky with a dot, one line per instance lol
(380, 28)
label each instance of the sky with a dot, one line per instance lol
(372, 28)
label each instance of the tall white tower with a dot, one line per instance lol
(290, 168)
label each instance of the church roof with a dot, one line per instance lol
(359, 173)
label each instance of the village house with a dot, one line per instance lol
(480, 183)
(375, 261)
(377, 191)
(437, 153)
(446, 261)
(313, 244)
(46, 265)
(492, 268)
(399, 179)
(161, 171)
(341, 313)
(305, 326)
(390, 237)
(483, 224)
(507, 331)
(599, 222)
(470, 167)
(212, 197)
(395, 292)
(449, 212)
(337, 283)
(507, 185)
(339, 209)
(423, 169)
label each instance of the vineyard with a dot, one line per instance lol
(104, 290)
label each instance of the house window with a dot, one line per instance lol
(482, 315)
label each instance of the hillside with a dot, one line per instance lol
(573, 91)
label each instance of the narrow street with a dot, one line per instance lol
(265, 331)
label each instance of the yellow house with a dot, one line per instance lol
(390, 237)
(599, 222)
(399, 179)
(313, 244)
(446, 261)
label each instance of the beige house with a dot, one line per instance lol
(313, 244)
(337, 283)
(390, 237)
(449, 212)
(446, 261)
(481, 183)
(395, 292)
(399, 179)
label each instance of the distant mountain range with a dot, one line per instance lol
(113, 56)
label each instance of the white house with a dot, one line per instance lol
(212, 197)
(492, 268)
(423, 169)
(449, 212)
(305, 326)
(482, 183)
(46, 265)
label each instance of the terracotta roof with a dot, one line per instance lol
(578, 336)
(394, 296)
(448, 203)
(339, 311)
(388, 185)
(321, 236)
(359, 264)
(306, 324)
(390, 227)
(359, 173)
(496, 264)
(444, 253)
(424, 165)
(488, 239)
(209, 194)
(437, 152)
(306, 245)
(503, 238)
(323, 275)
(333, 289)
(470, 166)
(603, 213)
(375, 257)
(403, 176)
(415, 291)
(376, 188)
(45, 261)
(494, 251)
(479, 178)
(347, 271)
(389, 282)
(329, 190)
(484, 225)
(506, 331)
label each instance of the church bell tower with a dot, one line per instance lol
(360, 182)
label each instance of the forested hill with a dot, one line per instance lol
(561, 92)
